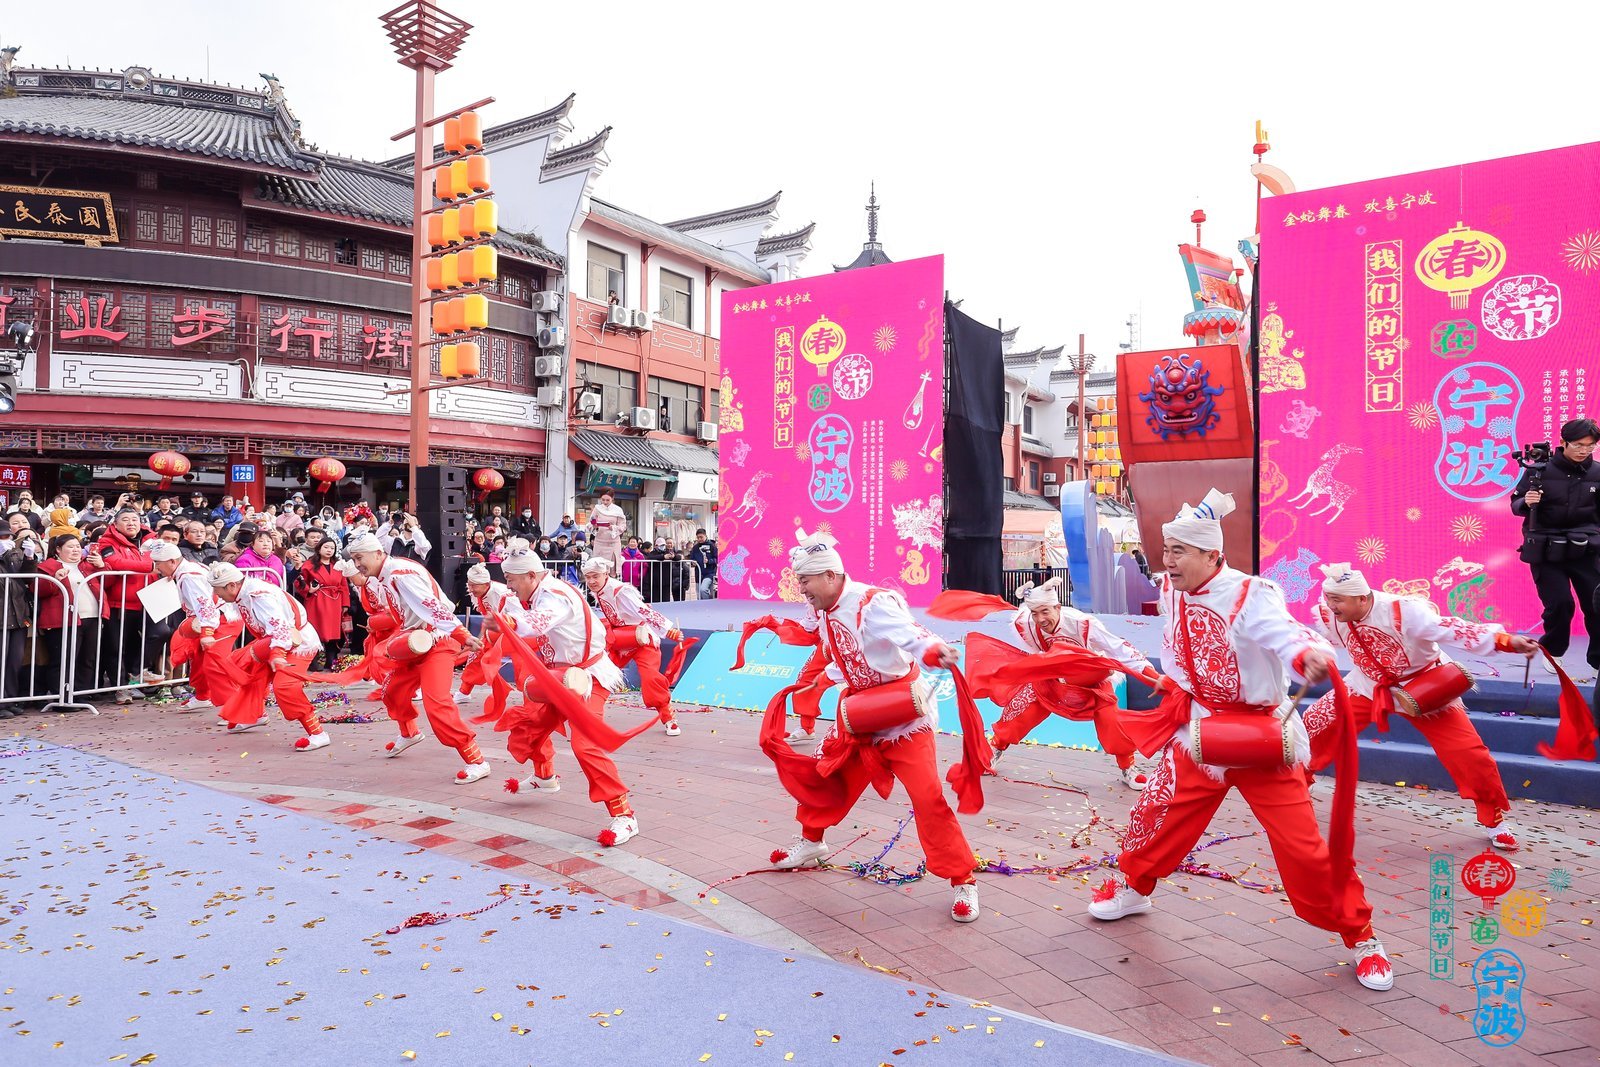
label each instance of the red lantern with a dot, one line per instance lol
(169, 465)
(326, 471)
(487, 480)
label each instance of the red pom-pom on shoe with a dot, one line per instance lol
(961, 908)
(778, 855)
(1106, 890)
(607, 837)
(302, 742)
(513, 785)
(1141, 779)
(461, 776)
(389, 747)
(1374, 966)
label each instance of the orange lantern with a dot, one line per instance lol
(471, 131)
(467, 360)
(487, 480)
(436, 237)
(169, 465)
(450, 226)
(444, 183)
(452, 136)
(477, 174)
(326, 471)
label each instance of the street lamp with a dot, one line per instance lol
(1082, 362)
(21, 337)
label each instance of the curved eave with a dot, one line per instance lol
(146, 150)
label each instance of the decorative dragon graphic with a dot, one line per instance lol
(1181, 399)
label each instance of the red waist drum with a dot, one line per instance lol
(410, 645)
(1242, 739)
(882, 707)
(1432, 690)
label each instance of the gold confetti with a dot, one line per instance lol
(495, 1016)
(705, 1057)
(723, 1017)
(1038, 1044)
(408, 1054)
(442, 1033)
(147, 1058)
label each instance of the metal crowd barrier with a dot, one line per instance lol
(23, 638)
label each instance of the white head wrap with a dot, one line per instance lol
(816, 553)
(224, 574)
(1341, 579)
(1046, 592)
(518, 544)
(363, 542)
(523, 563)
(478, 574)
(1201, 525)
(164, 550)
(597, 564)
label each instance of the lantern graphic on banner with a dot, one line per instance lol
(822, 343)
(169, 465)
(326, 471)
(1460, 260)
(487, 480)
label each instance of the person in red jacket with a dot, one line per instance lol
(325, 592)
(120, 551)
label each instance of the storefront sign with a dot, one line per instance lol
(694, 486)
(64, 214)
(242, 472)
(13, 477)
(599, 479)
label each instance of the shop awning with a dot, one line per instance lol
(619, 470)
(686, 457)
(619, 450)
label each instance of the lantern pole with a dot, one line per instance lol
(426, 38)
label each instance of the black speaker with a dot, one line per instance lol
(442, 514)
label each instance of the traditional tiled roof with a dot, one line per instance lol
(871, 256)
(626, 449)
(1027, 502)
(250, 133)
(503, 132)
(1021, 359)
(734, 214)
(1038, 448)
(687, 457)
(785, 242)
(651, 230)
(1067, 375)
(582, 152)
(1009, 338)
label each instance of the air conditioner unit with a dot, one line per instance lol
(617, 315)
(706, 431)
(549, 396)
(552, 337)
(589, 404)
(547, 302)
(642, 419)
(1052, 490)
(547, 367)
(641, 320)
(1049, 477)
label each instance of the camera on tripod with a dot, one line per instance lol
(1535, 458)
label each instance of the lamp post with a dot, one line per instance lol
(1082, 362)
(426, 39)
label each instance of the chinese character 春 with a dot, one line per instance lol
(1478, 397)
(89, 215)
(55, 216)
(101, 323)
(23, 214)
(1459, 259)
(1340, 212)
(198, 324)
(1482, 464)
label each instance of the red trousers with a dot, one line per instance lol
(1026, 712)
(290, 692)
(207, 676)
(1177, 805)
(915, 763)
(432, 674)
(247, 703)
(532, 727)
(624, 648)
(1455, 741)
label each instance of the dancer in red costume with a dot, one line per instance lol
(206, 618)
(432, 637)
(1391, 641)
(1227, 639)
(571, 640)
(488, 600)
(283, 644)
(634, 632)
(875, 649)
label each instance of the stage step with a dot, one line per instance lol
(1529, 776)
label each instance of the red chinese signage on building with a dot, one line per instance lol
(14, 477)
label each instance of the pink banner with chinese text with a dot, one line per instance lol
(1416, 332)
(832, 418)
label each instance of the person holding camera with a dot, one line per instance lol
(1558, 499)
(402, 538)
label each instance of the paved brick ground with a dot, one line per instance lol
(1217, 973)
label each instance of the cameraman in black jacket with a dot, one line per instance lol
(1561, 535)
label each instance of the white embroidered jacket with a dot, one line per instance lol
(1232, 640)
(274, 614)
(410, 592)
(1081, 629)
(493, 600)
(1399, 637)
(557, 619)
(199, 602)
(622, 605)
(873, 639)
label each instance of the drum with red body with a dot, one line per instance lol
(883, 707)
(1231, 739)
(1432, 690)
(410, 645)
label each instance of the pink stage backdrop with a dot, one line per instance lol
(1416, 332)
(832, 418)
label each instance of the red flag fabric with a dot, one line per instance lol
(977, 759)
(963, 605)
(567, 704)
(372, 665)
(1342, 816)
(1575, 736)
(788, 631)
(680, 656)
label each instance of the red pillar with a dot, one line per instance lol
(255, 492)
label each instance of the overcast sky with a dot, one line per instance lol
(1053, 153)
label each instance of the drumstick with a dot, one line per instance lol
(1295, 702)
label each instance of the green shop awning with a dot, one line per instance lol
(621, 477)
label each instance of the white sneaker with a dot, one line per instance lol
(1372, 965)
(1504, 837)
(1545, 665)
(965, 908)
(1115, 899)
(460, 697)
(195, 704)
(124, 696)
(472, 772)
(799, 853)
(623, 828)
(800, 737)
(672, 728)
(399, 745)
(311, 742)
(152, 678)
(232, 729)
(1134, 779)
(533, 782)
